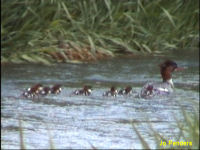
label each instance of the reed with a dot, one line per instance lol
(21, 136)
(51, 143)
(68, 30)
(188, 132)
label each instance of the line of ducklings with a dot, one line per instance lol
(40, 90)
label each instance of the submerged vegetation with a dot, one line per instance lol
(68, 30)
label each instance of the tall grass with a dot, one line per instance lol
(30, 29)
(21, 135)
(188, 132)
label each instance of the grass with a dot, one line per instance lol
(188, 132)
(21, 135)
(39, 31)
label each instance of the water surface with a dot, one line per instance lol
(104, 122)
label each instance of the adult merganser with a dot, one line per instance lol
(86, 90)
(126, 91)
(164, 88)
(112, 92)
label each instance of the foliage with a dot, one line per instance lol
(31, 29)
(188, 132)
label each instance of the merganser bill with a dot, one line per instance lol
(165, 87)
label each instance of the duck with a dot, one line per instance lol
(151, 89)
(112, 92)
(86, 90)
(125, 91)
(33, 91)
(45, 90)
(56, 89)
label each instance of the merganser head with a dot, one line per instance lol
(87, 89)
(166, 68)
(112, 89)
(128, 89)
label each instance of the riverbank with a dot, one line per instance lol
(84, 31)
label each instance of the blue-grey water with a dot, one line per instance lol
(85, 121)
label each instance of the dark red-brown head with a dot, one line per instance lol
(112, 89)
(166, 68)
(87, 87)
(128, 89)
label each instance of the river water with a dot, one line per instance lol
(86, 121)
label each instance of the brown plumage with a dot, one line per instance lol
(86, 90)
(112, 92)
(56, 89)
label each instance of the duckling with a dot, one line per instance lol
(112, 92)
(56, 89)
(46, 90)
(126, 91)
(33, 91)
(86, 90)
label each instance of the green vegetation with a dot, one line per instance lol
(69, 30)
(21, 136)
(188, 132)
